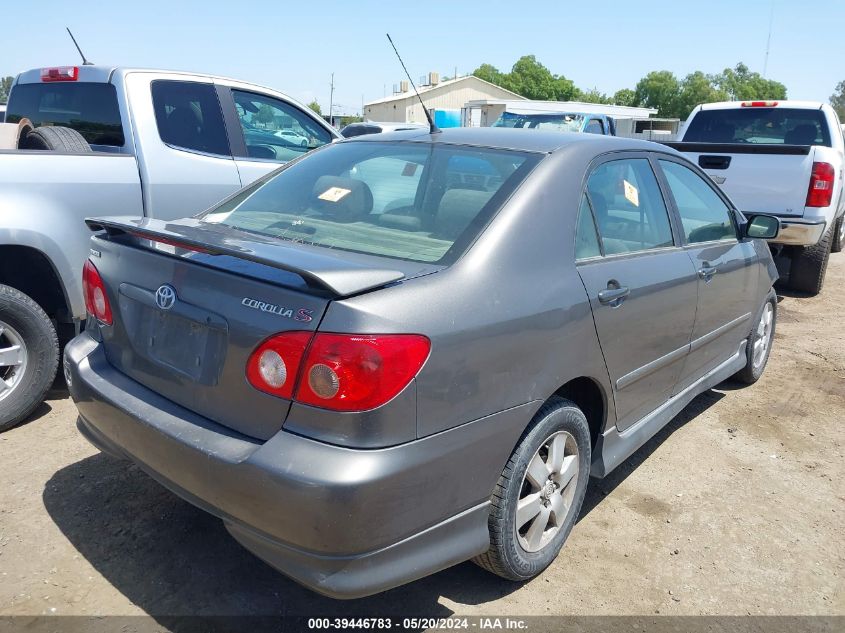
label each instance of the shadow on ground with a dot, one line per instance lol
(170, 558)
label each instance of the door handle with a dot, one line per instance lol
(706, 272)
(613, 296)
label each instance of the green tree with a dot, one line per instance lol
(531, 79)
(837, 100)
(696, 88)
(315, 107)
(625, 97)
(488, 72)
(5, 87)
(264, 114)
(565, 89)
(659, 89)
(346, 120)
(740, 84)
(593, 96)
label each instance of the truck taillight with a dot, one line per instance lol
(60, 73)
(820, 191)
(758, 104)
(96, 299)
(340, 372)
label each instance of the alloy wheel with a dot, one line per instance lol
(763, 336)
(13, 360)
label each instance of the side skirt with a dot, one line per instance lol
(614, 447)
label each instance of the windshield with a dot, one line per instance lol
(765, 126)
(412, 201)
(89, 108)
(558, 122)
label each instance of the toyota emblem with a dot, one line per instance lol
(165, 296)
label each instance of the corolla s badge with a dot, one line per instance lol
(165, 296)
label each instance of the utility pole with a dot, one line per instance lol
(331, 101)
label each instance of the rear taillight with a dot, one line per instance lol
(96, 299)
(820, 192)
(273, 366)
(758, 104)
(341, 372)
(60, 73)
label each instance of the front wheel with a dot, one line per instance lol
(29, 356)
(759, 342)
(539, 494)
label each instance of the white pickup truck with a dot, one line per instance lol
(123, 141)
(782, 158)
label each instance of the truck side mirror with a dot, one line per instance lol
(764, 227)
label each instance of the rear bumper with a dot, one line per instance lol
(345, 523)
(800, 231)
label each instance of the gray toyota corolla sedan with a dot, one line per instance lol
(405, 351)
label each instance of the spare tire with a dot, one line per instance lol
(56, 139)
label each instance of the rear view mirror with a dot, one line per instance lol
(764, 227)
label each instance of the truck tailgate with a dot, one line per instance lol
(758, 178)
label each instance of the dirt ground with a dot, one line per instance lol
(736, 507)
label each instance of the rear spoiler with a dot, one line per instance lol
(738, 148)
(327, 273)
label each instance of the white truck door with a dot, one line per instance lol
(184, 156)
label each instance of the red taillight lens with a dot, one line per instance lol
(820, 192)
(758, 104)
(354, 372)
(61, 73)
(273, 366)
(96, 299)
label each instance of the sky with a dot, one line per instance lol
(295, 47)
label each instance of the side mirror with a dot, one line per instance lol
(764, 227)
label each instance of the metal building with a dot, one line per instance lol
(446, 96)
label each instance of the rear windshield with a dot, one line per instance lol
(555, 122)
(411, 201)
(89, 108)
(766, 126)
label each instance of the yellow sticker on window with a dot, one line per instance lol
(333, 194)
(632, 194)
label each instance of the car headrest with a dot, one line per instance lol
(346, 199)
(804, 134)
(183, 124)
(458, 207)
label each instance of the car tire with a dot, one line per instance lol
(27, 376)
(809, 265)
(838, 236)
(759, 342)
(516, 552)
(57, 139)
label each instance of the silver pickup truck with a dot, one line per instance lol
(124, 141)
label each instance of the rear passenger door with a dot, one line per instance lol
(183, 149)
(726, 266)
(641, 284)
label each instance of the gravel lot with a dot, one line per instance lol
(736, 507)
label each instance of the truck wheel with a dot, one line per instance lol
(838, 235)
(809, 265)
(759, 344)
(58, 139)
(29, 356)
(539, 494)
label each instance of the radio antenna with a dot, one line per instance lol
(432, 129)
(85, 62)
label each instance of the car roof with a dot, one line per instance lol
(515, 139)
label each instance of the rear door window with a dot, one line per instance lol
(586, 239)
(275, 130)
(628, 206)
(89, 108)
(704, 216)
(188, 116)
(759, 125)
(594, 126)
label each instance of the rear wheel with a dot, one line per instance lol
(838, 235)
(29, 356)
(759, 344)
(809, 265)
(539, 494)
